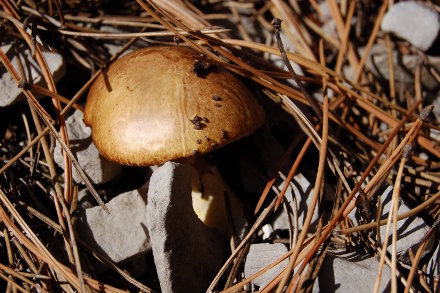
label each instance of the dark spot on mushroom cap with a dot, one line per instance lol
(225, 134)
(196, 119)
(216, 98)
(197, 122)
(201, 68)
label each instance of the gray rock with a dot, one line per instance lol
(404, 66)
(122, 234)
(187, 254)
(410, 231)
(8, 87)
(260, 256)
(413, 22)
(303, 191)
(351, 274)
(94, 165)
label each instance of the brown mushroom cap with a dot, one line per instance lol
(165, 103)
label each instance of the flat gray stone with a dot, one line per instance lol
(122, 234)
(413, 22)
(404, 66)
(98, 169)
(11, 93)
(302, 189)
(410, 231)
(351, 273)
(187, 254)
(303, 192)
(260, 256)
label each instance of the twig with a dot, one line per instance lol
(392, 216)
(312, 205)
(277, 26)
(396, 194)
(121, 36)
(22, 278)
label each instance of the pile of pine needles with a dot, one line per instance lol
(367, 131)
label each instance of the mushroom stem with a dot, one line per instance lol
(210, 198)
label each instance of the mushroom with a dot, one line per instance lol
(162, 104)
(167, 103)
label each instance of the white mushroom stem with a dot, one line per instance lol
(214, 202)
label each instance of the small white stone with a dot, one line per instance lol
(413, 22)
(260, 256)
(325, 10)
(267, 231)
